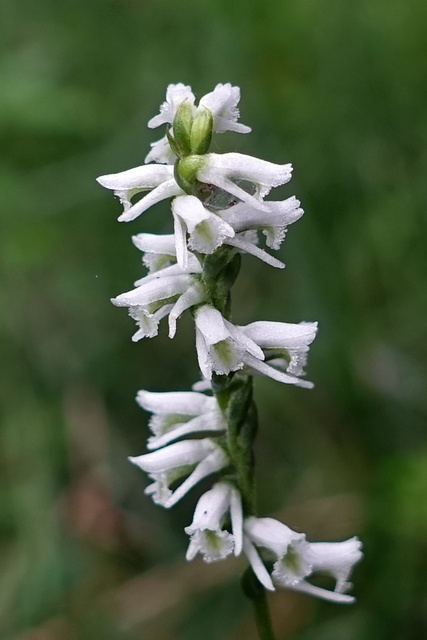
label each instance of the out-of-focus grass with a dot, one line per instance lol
(339, 89)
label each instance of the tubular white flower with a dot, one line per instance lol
(223, 170)
(178, 414)
(155, 178)
(155, 293)
(336, 558)
(199, 458)
(221, 347)
(222, 103)
(206, 532)
(273, 223)
(207, 230)
(296, 559)
(288, 341)
(175, 96)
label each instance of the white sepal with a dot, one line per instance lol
(223, 170)
(175, 95)
(336, 558)
(161, 152)
(178, 454)
(222, 103)
(214, 462)
(257, 564)
(206, 532)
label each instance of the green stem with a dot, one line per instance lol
(234, 393)
(256, 592)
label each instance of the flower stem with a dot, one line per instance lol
(256, 592)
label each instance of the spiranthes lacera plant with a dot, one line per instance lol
(219, 211)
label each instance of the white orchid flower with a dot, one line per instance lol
(207, 535)
(223, 347)
(222, 103)
(159, 250)
(198, 458)
(273, 223)
(225, 170)
(207, 231)
(296, 559)
(177, 414)
(168, 291)
(155, 178)
(175, 96)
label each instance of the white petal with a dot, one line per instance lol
(222, 169)
(222, 103)
(325, 594)
(205, 362)
(211, 464)
(144, 177)
(236, 514)
(188, 403)
(161, 152)
(248, 247)
(194, 295)
(257, 565)
(178, 454)
(175, 95)
(204, 423)
(271, 534)
(337, 558)
(153, 290)
(211, 508)
(242, 339)
(266, 370)
(165, 190)
(281, 335)
(180, 232)
(191, 210)
(154, 243)
(212, 545)
(211, 324)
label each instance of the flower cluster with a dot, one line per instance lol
(219, 212)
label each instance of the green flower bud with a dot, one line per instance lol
(182, 125)
(185, 172)
(201, 131)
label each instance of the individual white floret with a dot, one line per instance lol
(177, 414)
(168, 291)
(206, 230)
(296, 559)
(273, 223)
(223, 347)
(198, 458)
(155, 178)
(223, 170)
(175, 96)
(207, 534)
(222, 103)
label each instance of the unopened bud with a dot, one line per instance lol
(201, 131)
(186, 172)
(182, 125)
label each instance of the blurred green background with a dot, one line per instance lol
(338, 88)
